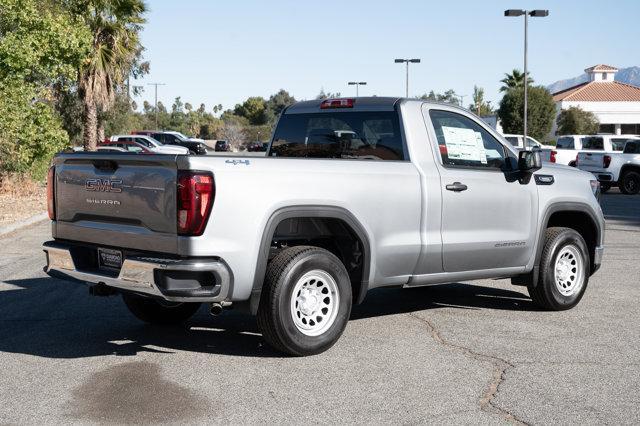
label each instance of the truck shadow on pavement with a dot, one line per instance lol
(50, 318)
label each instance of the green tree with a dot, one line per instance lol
(541, 111)
(253, 109)
(479, 105)
(576, 121)
(327, 95)
(277, 103)
(115, 26)
(514, 80)
(41, 46)
(448, 97)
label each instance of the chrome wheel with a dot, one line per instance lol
(314, 302)
(569, 271)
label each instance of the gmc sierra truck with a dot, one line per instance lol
(354, 194)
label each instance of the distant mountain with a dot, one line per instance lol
(630, 75)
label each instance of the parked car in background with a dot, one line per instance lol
(390, 193)
(621, 169)
(257, 147)
(175, 138)
(548, 154)
(568, 146)
(222, 146)
(184, 137)
(150, 143)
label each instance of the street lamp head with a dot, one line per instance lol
(362, 83)
(415, 61)
(539, 13)
(514, 12)
(399, 61)
(351, 83)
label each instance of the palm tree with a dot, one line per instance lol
(514, 80)
(115, 27)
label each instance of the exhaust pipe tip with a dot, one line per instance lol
(216, 309)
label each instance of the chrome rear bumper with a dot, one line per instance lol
(144, 275)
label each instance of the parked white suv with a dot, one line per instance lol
(568, 146)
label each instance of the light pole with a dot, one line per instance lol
(156, 101)
(406, 61)
(538, 13)
(357, 84)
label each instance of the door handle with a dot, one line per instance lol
(456, 187)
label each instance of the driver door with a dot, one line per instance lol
(488, 218)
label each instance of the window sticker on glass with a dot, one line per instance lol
(464, 144)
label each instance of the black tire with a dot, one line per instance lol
(275, 317)
(604, 188)
(630, 183)
(546, 293)
(155, 312)
(572, 163)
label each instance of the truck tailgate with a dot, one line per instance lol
(121, 200)
(590, 161)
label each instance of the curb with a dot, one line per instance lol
(23, 223)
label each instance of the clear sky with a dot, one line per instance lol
(221, 52)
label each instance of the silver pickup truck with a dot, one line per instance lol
(354, 194)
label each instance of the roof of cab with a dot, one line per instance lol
(372, 103)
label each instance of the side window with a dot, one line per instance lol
(133, 148)
(593, 143)
(565, 143)
(617, 144)
(632, 147)
(169, 138)
(142, 141)
(513, 140)
(531, 143)
(463, 142)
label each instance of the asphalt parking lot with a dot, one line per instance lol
(456, 353)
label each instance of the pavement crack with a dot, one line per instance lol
(500, 368)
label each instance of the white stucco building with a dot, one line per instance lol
(615, 104)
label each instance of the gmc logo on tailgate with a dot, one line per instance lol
(103, 185)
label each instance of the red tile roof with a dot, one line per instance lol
(601, 67)
(600, 91)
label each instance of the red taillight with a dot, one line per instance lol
(552, 157)
(195, 198)
(337, 103)
(606, 161)
(51, 181)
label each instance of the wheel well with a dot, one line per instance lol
(627, 168)
(332, 234)
(582, 223)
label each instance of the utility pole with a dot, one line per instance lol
(357, 84)
(407, 61)
(156, 101)
(538, 13)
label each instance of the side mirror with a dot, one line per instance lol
(529, 161)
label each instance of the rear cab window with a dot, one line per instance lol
(363, 135)
(594, 143)
(565, 143)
